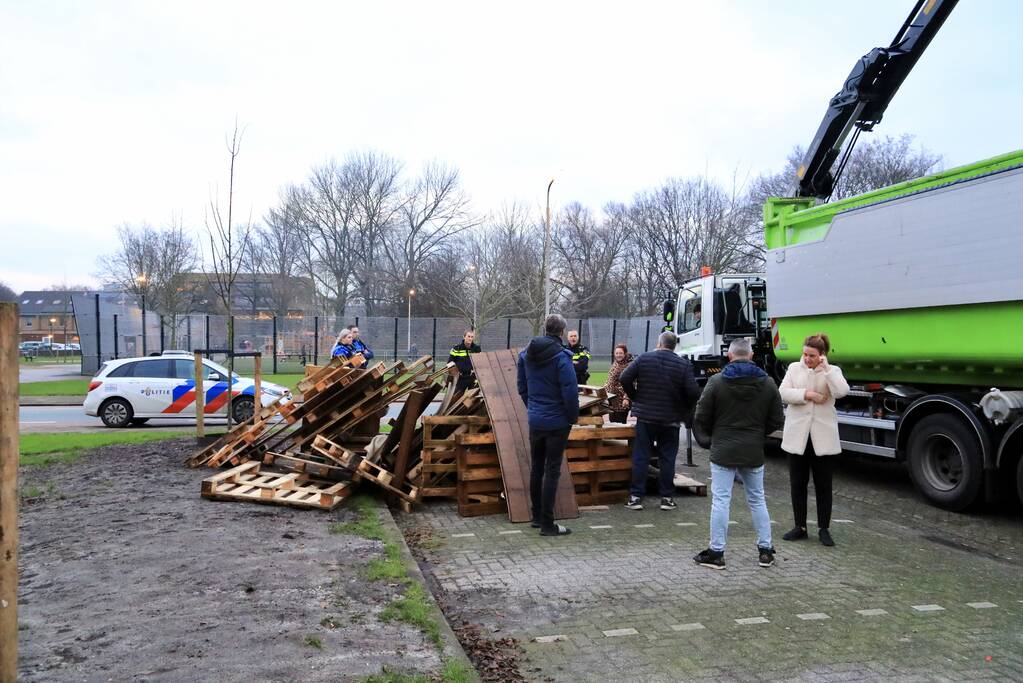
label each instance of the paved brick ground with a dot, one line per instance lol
(910, 592)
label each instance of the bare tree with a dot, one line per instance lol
(155, 264)
(228, 244)
(520, 237)
(278, 244)
(434, 210)
(588, 257)
(686, 224)
(872, 165)
(377, 194)
(477, 284)
(6, 293)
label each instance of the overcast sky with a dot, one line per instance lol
(114, 112)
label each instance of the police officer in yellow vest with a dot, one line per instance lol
(460, 357)
(580, 357)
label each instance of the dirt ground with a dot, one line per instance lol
(127, 574)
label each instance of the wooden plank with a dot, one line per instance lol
(456, 420)
(496, 373)
(305, 466)
(584, 433)
(9, 439)
(414, 406)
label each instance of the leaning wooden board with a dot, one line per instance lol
(497, 374)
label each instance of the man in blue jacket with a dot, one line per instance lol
(547, 385)
(359, 345)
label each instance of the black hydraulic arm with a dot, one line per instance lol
(862, 101)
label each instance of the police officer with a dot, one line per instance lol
(359, 345)
(580, 357)
(460, 357)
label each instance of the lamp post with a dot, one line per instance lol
(408, 341)
(52, 320)
(475, 293)
(546, 256)
(141, 279)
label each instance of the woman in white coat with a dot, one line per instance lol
(810, 437)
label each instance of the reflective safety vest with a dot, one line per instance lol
(581, 362)
(460, 356)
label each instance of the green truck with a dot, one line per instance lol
(919, 286)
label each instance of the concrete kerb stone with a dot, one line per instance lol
(452, 648)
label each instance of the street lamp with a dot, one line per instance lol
(475, 293)
(141, 279)
(408, 342)
(52, 321)
(546, 252)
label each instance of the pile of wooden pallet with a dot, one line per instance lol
(313, 454)
(473, 448)
(477, 452)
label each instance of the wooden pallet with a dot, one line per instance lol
(307, 465)
(691, 485)
(480, 488)
(247, 483)
(237, 432)
(340, 456)
(496, 373)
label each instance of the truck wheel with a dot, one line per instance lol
(945, 462)
(1019, 480)
(116, 412)
(242, 409)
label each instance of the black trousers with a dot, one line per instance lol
(800, 468)
(547, 448)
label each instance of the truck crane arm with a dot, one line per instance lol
(862, 101)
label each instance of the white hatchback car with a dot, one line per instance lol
(131, 391)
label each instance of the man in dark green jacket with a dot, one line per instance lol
(739, 407)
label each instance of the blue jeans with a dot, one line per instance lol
(651, 438)
(721, 480)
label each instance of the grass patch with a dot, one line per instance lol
(46, 449)
(32, 492)
(284, 379)
(56, 387)
(453, 672)
(367, 524)
(597, 379)
(388, 567)
(414, 609)
(313, 641)
(456, 671)
(388, 676)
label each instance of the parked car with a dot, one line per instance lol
(131, 391)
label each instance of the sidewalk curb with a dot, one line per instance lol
(58, 401)
(452, 647)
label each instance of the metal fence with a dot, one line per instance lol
(110, 326)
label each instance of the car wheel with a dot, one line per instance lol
(139, 421)
(242, 409)
(116, 412)
(945, 462)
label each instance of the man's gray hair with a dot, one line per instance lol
(667, 340)
(741, 348)
(555, 324)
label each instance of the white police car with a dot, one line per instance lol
(131, 391)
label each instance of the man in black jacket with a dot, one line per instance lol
(580, 357)
(661, 387)
(739, 407)
(459, 355)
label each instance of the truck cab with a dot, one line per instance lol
(714, 309)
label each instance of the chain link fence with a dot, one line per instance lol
(110, 326)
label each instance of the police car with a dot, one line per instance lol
(131, 391)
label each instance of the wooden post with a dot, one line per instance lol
(200, 398)
(257, 391)
(9, 492)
